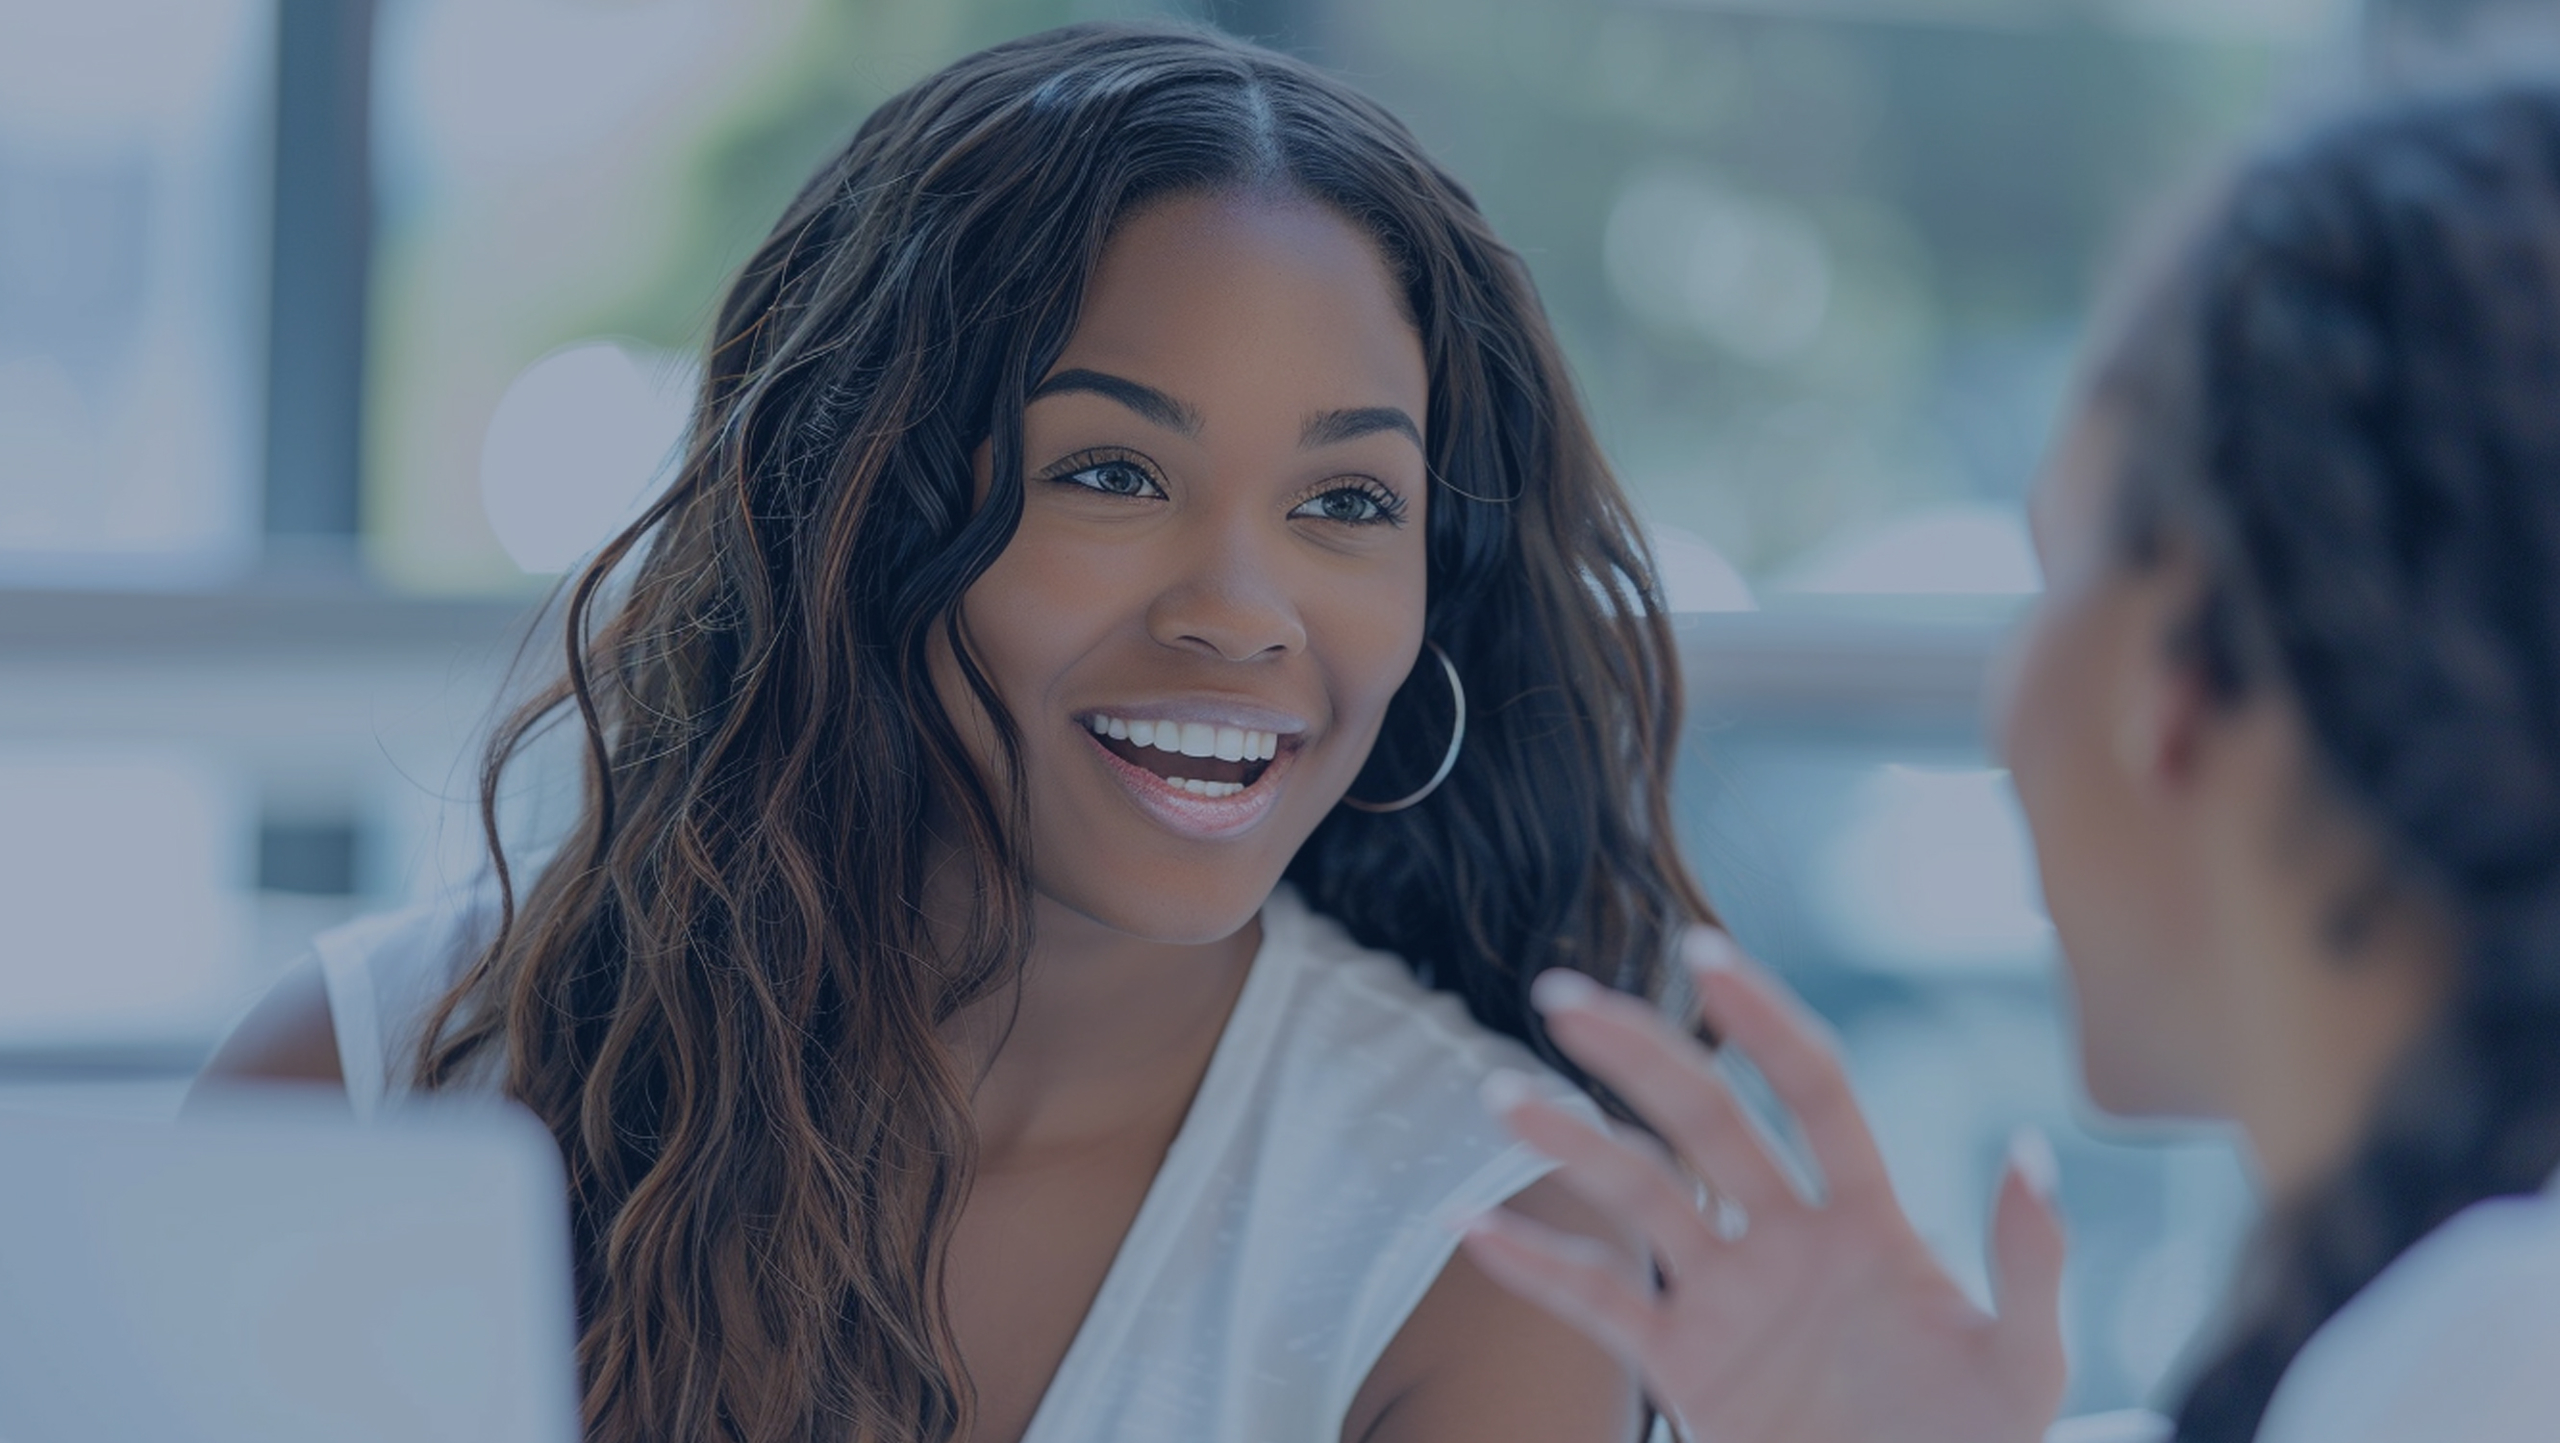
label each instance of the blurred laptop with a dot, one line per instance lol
(273, 1272)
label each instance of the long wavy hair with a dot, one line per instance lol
(721, 992)
(2347, 396)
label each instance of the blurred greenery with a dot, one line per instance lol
(744, 168)
(1969, 183)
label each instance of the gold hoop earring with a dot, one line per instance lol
(1448, 760)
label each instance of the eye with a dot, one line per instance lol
(1115, 476)
(1354, 503)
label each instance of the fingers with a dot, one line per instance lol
(1793, 1049)
(1577, 1279)
(1669, 1079)
(2027, 1253)
(1625, 1177)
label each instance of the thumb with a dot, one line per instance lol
(2026, 1266)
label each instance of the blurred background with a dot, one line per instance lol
(331, 331)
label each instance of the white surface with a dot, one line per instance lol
(285, 1276)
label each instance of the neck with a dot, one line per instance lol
(2317, 1027)
(1105, 1032)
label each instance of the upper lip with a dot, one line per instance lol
(1213, 711)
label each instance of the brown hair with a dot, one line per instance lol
(720, 992)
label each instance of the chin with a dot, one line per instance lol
(1186, 911)
(1108, 863)
(2125, 1071)
(2121, 1092)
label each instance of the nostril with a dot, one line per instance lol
(1230, 649)
(1227, 627)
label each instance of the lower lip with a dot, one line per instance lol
(1189, 813)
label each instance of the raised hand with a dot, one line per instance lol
(1808, 1322)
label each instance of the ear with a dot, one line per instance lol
(2166, 712)
(2161, 738)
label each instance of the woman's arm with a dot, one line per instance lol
(1811, 1322)
(1477, 1364)
(287, 1037)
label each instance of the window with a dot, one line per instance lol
(132, 266)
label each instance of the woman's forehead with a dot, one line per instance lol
(1238, 296)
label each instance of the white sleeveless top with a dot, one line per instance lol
(1300, 1215)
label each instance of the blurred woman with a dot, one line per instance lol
(2286, 726)
(1130, 474)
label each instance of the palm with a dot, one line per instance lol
(1816, 1324)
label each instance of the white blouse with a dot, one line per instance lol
(1300, 1215)
(2457, 1341)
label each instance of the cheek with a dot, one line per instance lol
(2042, 715)
(1018, 614)
(1367, 635)
(2057, 735)
(1027, 620)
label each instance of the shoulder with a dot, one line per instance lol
(287, 1037)
(1376, 1087)
(1389, 1071)
(2454, 1340)
(340, 1015)
(1374, 1034)
(384, 975)
(1477, 1361)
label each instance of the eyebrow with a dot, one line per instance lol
(1332, 428)
(1324, 428)
(1147, 401)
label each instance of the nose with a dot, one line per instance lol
(1227, 599)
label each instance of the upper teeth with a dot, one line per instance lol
(1191, 739)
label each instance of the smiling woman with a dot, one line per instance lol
(1222, 538)
(1130, 475)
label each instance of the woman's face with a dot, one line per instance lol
(2088, 709)
(1219, 578)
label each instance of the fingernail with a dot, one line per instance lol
(1559, 988)
(2031, 1154)
(1504, 1089)
(1709, 949)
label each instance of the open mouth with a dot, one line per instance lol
(1200, 758)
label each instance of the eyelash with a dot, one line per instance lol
(1086, 463)
(1389, 507)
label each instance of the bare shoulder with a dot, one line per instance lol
(1476, 1363)
(287, 1037)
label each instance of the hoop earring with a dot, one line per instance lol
(1449, 760)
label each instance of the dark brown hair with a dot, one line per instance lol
(720, 992)
(2347, 397)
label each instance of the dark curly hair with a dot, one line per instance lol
(2349, 391)
(721, 993)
